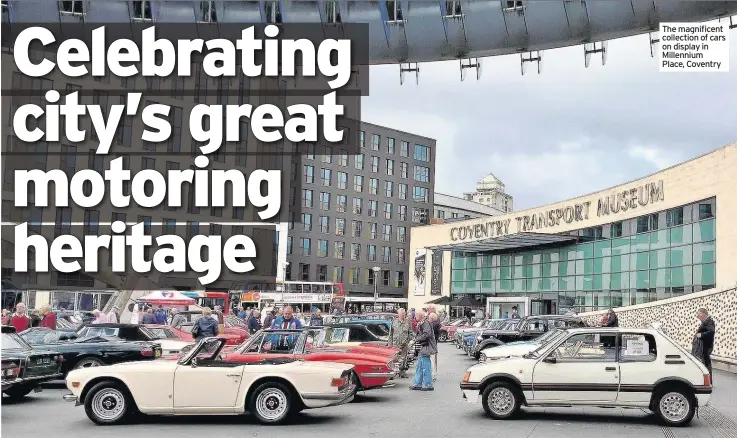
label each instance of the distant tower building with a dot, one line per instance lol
(490, 192)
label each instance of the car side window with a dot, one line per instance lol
(587, 347)
(537, 325)
(637, 347)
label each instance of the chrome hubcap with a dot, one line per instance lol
(108, 404)
(87, 364)
(272, 404)
(674, 406)
(501, 401)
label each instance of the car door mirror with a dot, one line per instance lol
(550, 359)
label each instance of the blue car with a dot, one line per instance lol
(468, 341)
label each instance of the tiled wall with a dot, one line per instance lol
(678, 318)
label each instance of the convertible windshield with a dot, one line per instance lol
(11, 341)
(549, 336)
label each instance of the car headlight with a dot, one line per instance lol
(482, 358)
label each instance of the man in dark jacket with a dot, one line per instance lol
(426, 339)
(207, 326)
(706, 333)
(435, 323)
(611, 319)
(254, 321)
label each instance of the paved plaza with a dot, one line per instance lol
(385, 413)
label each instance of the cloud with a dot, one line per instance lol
(659, 157)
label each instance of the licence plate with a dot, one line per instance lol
(43, 360)
(158, 353)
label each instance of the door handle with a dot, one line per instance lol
(233, 375)
(611, 368)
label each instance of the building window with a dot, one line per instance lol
(142, 10)
(389, 186)
(339, 227)
(324, 201)
(402, 191)
(357, 205)
(422, 174)
(404, 149)
(239, 212)
(375, 142)
(401, 234)
(420, 194)
(371, 279)
(400, 256)
(354, 274)
(399, 279)
(373, 208)
(324, 222)
(343, 158)
(289, 245)
(394, 11)
(386, 254)
(68, 160)
(339, 250)
(193, 229)
(304, 243)
(513, 5)
(216, 211)
(306, 222)
(306, 198)
(326, 175)
(332, 12)
(388, 211)
(308, 174)
(385, 277)
(328, 155)
(342, 203)
(273, 12)
(420, 216)
(304, 272)
(91, 222)
(322, 273)
(453, 9)
(355, 251)
(338, 274)
(375, 164)
(72, 7)
(402, 213)
(372, 253)
(454, 215)
(674, 217)
(387, 233)
(310, 154)
(359, 162)
(322, 248)
(390, 145)
(361, 139)
(374, 186)
(169, 227)
(356, 227)
(373, 230)
(342, 180)
(441, 214)
(208, 14)
(404, 170)
(358, 183)
(215, 230)
(422, 153)
(705, 211)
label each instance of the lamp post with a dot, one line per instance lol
(376, 270)
(284, 281)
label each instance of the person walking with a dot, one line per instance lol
(20, 319)
(611, 319)
(316, 318)
(100, 317)
(254, 321)
(48, 318)
(160, 316)
(399, 336)
(515, 314)
(433, 316)
(148, 317)
(705, 334)
(206, 326)
(177, 319)
(426, 338)
(112, 316)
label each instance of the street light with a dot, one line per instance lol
(376, 270)
(284, 281)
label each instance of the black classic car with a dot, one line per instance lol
(525, 329)
(364, 331)
(81, 352)
(25, 368)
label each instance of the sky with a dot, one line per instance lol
(563, 133)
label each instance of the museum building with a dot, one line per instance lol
(661, 236)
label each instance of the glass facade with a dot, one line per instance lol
(635, 261)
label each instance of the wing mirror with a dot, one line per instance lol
(194, 362)
(550, 359)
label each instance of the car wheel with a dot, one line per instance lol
(443, 337)
(355, 381)
(17, 392)
(108, 403)
(88, 362)
(271, 403)
(501, 400)
(675, 408)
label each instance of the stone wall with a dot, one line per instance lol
(677, 317)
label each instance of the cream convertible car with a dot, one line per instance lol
(631, 368)
(201, 383)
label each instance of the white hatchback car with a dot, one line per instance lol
(611, 367)
(518, 348)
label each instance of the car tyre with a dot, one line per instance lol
(675, 407)
(17, 392)
(109, 403)
(356, 382)
(501, 400)
(272, 403)
(87, 362)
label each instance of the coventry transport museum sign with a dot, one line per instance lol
(612, 204)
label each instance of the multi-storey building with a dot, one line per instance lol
(448, 208)
(355, 212)
(490, 192)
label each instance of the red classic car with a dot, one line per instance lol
(449, 330)
(370, 370)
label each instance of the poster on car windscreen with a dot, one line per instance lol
(420, 264)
